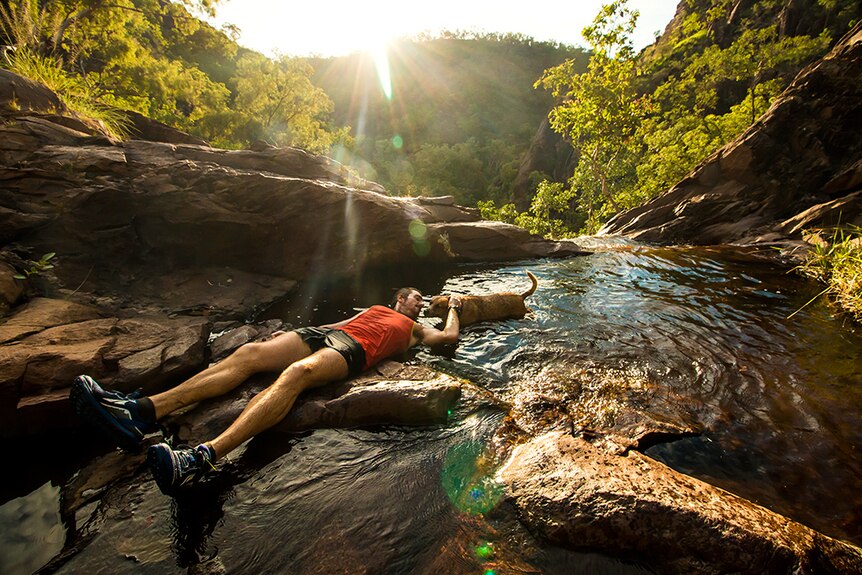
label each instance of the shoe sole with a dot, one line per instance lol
(160, 466)
(88, 408)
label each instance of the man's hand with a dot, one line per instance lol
(449, 334)
(455, 303)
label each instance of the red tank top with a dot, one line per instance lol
(381, 331)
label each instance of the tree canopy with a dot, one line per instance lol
(641, 122)
(156, 58)
(462, 109)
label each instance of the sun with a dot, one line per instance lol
(375, 38)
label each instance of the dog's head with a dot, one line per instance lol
(439, 306)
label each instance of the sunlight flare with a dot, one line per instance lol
(380, 55)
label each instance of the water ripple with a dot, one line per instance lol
(709, 325)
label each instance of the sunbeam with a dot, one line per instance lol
(380, 55)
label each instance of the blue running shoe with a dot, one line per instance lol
(115, 413)
(177, 469)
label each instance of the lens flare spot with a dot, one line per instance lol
(468, 478)
(419, 234)
(418, 230)
(485, 551)
(397, 142)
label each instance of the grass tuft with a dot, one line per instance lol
(837, 262)
(72, 90)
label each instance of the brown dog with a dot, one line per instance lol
(476, 308)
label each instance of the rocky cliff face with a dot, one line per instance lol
(799, 166)
(550, 154)
(792, 18)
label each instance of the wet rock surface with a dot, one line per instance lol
(48, 342)
(389, 394)
(617, 412)
(578, 496)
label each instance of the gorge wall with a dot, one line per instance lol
(798, 167)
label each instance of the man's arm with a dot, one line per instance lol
(449, 333)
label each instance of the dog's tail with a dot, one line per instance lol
(532, 289)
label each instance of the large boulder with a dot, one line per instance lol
(577, 496)
(391, 394)
(47, 342)
(18, 93)
(802, 157)
(11, 288)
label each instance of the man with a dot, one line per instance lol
(308, 357)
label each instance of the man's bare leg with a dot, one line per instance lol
(273, 403)
(273, 356)
(173, 469)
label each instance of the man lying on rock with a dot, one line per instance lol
(308, 357)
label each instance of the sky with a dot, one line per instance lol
(339, 27)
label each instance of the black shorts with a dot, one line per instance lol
(320, 337)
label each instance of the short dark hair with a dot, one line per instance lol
(403, 292)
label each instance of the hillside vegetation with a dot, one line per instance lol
(456, 117)
(450, 115)
(641, 122)
(155, 58)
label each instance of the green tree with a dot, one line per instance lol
(550, 213)
(444, 170)
(692, 118)
(601, 110)
(278, 103)
(116, 56)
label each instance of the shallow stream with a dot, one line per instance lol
(706, 331)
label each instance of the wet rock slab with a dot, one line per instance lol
(48, 342)
(390, 394)
(578, 496)
(617, 411)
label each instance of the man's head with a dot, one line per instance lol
(408, 301)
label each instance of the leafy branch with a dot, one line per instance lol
(37, 267)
